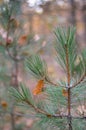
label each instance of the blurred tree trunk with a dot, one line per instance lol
(14, 83)
(84, 18)
(73, 12)
(30, 22)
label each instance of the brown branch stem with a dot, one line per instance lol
(69, 117)
(67, 65)
(55, 116)
(54, 84)
(15, 83)
(38, 110)
(81, 80)
(68, 78)
(69, 90)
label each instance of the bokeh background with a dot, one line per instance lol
(38, 20)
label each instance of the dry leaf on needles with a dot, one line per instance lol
(4, 104)
(39, 87)
(22, 40)
(64, 92)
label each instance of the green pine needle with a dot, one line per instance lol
(37, 67)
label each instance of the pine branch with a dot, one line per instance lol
(69, 91)
(37, 109)
(37, 67)
(23, 96)
(49, 111)
(14, 58)
(51, 116)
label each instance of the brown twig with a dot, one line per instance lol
(7, 46)
(80, 81)
(37, 109)
(8, 29)
(13, 57)
(55, 116)
(67, 65)
(69, 90)
(55, 84)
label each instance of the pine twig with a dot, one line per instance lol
(80, 81)
(69, 90)
(55, 84)
(38, 110)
